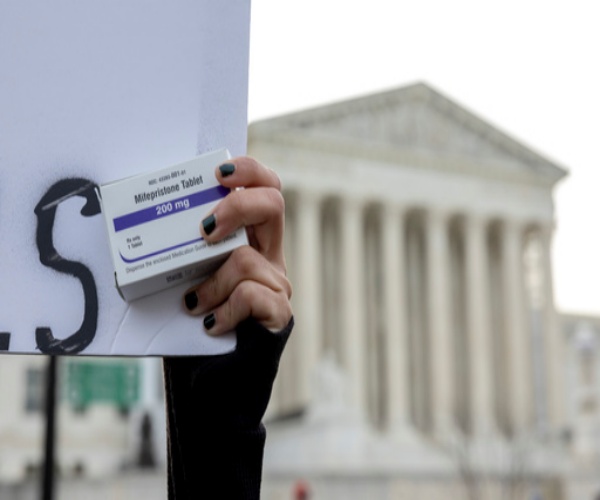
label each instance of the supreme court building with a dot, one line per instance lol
(428, 359)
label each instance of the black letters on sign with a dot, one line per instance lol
(46, 213)
(4, 341)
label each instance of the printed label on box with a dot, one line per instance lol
(153, 225)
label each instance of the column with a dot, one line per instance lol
(480, 359)
(554, 339)
(517, 331)
(307, 289)
(417, 320)
(440, 345)
(396, 328)
(353, 303)
(284, 397)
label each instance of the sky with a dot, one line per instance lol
(528, 67)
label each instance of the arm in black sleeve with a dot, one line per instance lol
(215, 405)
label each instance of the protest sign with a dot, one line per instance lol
(91, 92)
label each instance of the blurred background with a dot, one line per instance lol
(439, 164)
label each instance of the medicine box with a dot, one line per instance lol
(153, 223)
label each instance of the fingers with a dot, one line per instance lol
(261, 208)
(252, 282)
(244, 264)
(271, 309)
(247, 172)
(246, 285)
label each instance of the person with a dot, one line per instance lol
(215, 404)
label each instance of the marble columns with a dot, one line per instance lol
(554, 340)
(478, 329)
(396, 327)
(517, 331)
(352, 320)
(308, 305)
(437, 379)
(440, 323)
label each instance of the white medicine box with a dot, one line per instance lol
(153, 222)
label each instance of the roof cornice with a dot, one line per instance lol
(293, 128)
(496, 170)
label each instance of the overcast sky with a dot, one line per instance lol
(528, 67)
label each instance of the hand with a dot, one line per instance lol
(252, 282)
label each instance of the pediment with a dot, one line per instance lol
(414, 119)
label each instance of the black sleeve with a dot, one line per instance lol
(215, 405)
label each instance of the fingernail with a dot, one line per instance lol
(227, 169)
(191, 301)
(209, 224)
(209, 321)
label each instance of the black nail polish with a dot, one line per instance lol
(227, 169)
(209, 321)
(209, 224)
(191, 301)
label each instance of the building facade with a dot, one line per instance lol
(427, 343)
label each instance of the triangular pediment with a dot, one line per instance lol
(417, 120)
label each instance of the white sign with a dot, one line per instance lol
(90, 92)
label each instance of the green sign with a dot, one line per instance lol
(116, 382)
